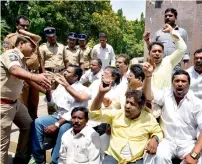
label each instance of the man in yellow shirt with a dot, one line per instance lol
(131, 128)
(161, 77)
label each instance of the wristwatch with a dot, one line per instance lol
(195, 155)
(57, 124)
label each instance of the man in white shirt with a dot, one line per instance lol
(180, 121)
(104, 51)
(94, 73)
(81, 143)
(122, 63)
(69, 94)
(195, 73)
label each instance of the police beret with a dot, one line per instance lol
(49, 31)
(72, 35)
(31, 39)
(82, 36)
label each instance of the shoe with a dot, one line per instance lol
(33, 161)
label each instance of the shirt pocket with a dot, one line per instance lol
(107, 54)
(48, 55)
(81, 153)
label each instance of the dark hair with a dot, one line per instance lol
(181, 72)
(21, 17)
(155, 43)
(172, 10)
(102, 35)
(136, 70)
(82, 109)
(127, 60)
(115, 74)
(98, 60)
(78, 71)
(21, 39)
(198, 51)
(138, 96)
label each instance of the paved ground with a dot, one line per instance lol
(42, 111)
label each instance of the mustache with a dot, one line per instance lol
(76, 124)
(167, 20)
(198, 64)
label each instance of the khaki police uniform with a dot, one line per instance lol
(53, 58)
(73, 56)
(86, 53)
(13, 110)
(29, 96)
(52, 55)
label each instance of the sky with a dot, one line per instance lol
(132, 9)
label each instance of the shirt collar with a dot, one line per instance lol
(176, 27)
(67, 47)
(49, 45)
(19, 53)
(83, 132)
(105, 47)
(187, 96)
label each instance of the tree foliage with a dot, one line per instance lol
(90, 17)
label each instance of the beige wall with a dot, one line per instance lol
(189, 18)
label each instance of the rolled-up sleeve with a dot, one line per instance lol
(105, 116)
(180, 50)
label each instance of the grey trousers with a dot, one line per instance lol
(108, 159)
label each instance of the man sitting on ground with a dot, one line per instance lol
(131, 129)
(180, 121)
(69, 94)
(80, 144)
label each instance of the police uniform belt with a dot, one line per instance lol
(55, 70)
(6, 101)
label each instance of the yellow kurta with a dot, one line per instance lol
(135, 132)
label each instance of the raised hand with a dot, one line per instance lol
(104, 87)
(146, 36)
(167, 28)
(61, 80)
(148, 67)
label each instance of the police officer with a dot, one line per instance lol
(13, 74)
(72, 53)
(52, 57)
(52, 52)
(85, 50)
(22, 22)
(30, 96)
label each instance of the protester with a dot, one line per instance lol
(80, 144)
(195, 73)
(68, 95)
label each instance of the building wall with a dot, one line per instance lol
(189, 18)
